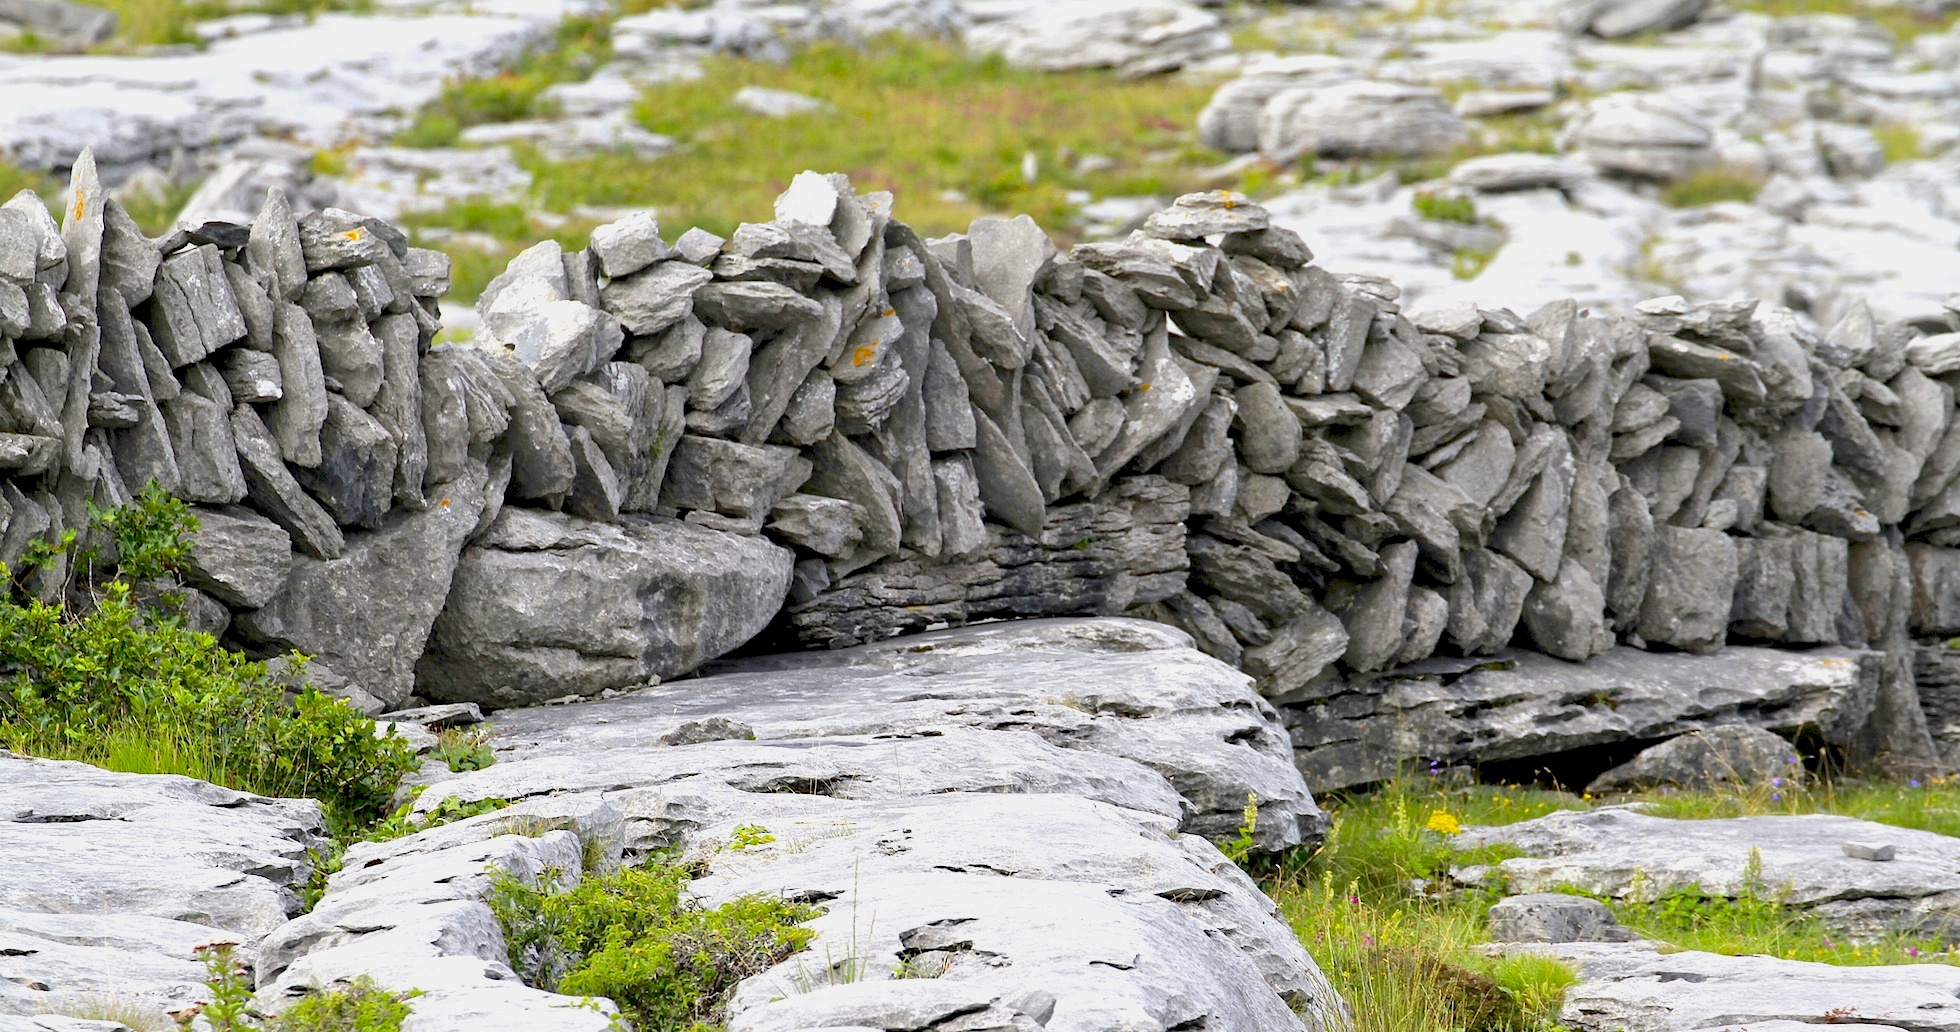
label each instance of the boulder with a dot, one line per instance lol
(1554, 917)
(1735, 754)
(1135, 37)
(1358, 119)
(1639, 135)
(545, 605)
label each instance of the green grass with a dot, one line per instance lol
(1710, 186)
(945, 131)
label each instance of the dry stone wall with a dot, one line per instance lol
(829, 427)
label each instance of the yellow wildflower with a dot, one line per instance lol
(1444, 822)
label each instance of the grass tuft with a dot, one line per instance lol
(1711, 186)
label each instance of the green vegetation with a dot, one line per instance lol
(1710, 186)
(1468, 263)
(1900, 141)
(1445, 207)
(577, 49)
(362, 1007)
(955, 133)
(628, 935)
(1377, 907)
(93, 672)
(464, 749)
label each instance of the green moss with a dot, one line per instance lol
(124, 684)
(628, 935)
(1711, 186)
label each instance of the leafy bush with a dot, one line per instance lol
(361, 1007)
(100, 675)
(629, 936)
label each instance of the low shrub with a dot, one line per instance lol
(629, 936)
(90, 671)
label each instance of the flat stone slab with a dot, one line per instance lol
(1632, 987)
(1121, 688)
(1802, 859)
(107, 881)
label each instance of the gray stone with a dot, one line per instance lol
(831, 527)
(251, 376)
(541, 454)
(238, 556)
(1135, 38)
(735, 479)
(355, 479)
(1007, 486)
(1690, 590)
(108, 880)
(1736, 754)
(723, 367)
(335, 239)
(1554, 917)
(1641, 135)
(130, 259)
(1196, 216)
(207, 458)
(1296, 654)
(655, 298)
(296, 418)
(1269, 432)
(1360, 118)
(367, 613)
(274, 492)
(629, 245)
(73, 26)
(1374, 619)
(545, 605)
(1614, 19)
(193, 312)
(961, 514)
(1567, 617)
(753, 306)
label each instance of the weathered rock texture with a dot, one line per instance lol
(831, 429)
(108, 881)
(1097, 742)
